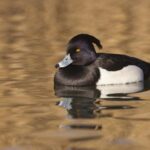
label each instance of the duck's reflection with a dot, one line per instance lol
(83, 102)
(120, 92)
(78, 101)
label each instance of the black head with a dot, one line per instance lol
(80, 50)
(84, 41)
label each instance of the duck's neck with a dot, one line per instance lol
(75, 75)
(74, 71)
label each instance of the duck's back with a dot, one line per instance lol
(116, 69)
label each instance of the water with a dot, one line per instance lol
(35, 115)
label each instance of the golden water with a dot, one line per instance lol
(33, 36)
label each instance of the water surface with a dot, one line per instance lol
(35, 115)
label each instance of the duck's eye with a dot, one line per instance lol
(77, 50)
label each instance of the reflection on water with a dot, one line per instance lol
(85, 102)
(33, 35)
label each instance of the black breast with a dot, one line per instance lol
(77, 75)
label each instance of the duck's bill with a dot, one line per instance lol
(65, 62)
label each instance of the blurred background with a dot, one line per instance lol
(33, 37)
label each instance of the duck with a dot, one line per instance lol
(83, 66)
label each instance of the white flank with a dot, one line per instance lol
(128, 74)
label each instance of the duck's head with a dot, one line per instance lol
(80, 51)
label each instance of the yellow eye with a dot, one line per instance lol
(77, 50)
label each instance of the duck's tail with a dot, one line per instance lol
(146, 69)
(149, 71)
(148, 76)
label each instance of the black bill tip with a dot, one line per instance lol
(57, 66)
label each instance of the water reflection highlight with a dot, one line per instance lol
(85, 102)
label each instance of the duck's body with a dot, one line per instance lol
(121, 69)
(83, 66)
